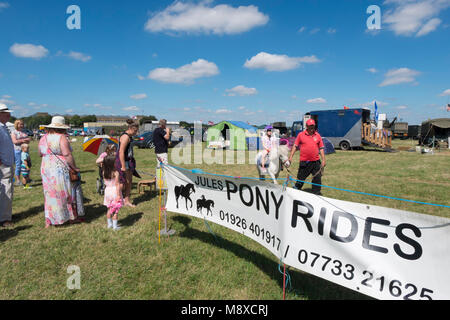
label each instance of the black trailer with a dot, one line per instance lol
(414, 132)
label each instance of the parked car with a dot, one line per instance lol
(144, 140)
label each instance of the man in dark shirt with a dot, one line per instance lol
(161, 137)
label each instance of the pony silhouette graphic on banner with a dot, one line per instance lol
(203, 203)
(185, 192)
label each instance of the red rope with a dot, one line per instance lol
(284, 281)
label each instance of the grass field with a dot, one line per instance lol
(192, 264)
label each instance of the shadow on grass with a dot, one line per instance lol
(306, 285)
(146, 196)
(93, 212)
(131, 219)
(28, 213)
(36, 183)
(6, 234)
(87, 171)
(372, 149)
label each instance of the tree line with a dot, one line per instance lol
(34, 121)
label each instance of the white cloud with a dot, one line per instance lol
(4, 5)
(414, 17)
(223, 111)
(429, 27)
(185, 74)
(445, 93)
(314, 31)
(28, 51)
(140, 77)
(372, 104)
(131, 108)
(276, 62)
(241, 91)
(331, 31)
(79, 56)
(402, 107)
(372, 70)
(301, 29)
(398, 76)
(203, 18)
(316, 100)
(138, 96)
(97, 106)
(6, 101)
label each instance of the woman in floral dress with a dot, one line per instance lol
(56, 154)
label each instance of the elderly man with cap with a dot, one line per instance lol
(161, 137)
(310, 145)
(6, 168)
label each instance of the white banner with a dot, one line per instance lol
(381, 252)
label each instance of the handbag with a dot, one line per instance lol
(73, 175)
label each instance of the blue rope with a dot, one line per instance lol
(210, 230)
(374, 195)
(288, 282)
(199, 171)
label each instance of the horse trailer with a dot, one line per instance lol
(348, 128)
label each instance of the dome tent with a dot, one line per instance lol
(328, 146)
(240, 135)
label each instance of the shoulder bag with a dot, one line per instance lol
(74, 176)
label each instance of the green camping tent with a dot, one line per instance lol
(240, 135)
(435, 129)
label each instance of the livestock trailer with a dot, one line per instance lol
(350, 127)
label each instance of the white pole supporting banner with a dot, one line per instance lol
(381, 252)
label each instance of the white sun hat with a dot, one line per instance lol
(4, 108)
(58, 122)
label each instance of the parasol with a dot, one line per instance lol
(98, 144)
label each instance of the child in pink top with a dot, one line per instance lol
(113, 196)
(111, 149)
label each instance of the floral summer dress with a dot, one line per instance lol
(55, 181)
(110, 192)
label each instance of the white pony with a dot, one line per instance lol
(278, 156)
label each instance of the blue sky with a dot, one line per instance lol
(257, 61)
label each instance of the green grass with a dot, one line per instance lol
(192, 264)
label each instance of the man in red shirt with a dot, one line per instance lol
(310, 145)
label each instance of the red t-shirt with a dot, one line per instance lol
(309, 145)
